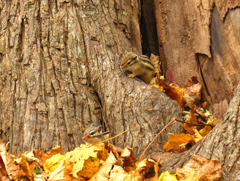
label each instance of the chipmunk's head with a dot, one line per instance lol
(93, 134)
(128, 60)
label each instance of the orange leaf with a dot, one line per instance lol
(176, 141)
(173, 92)
(26, 168)
(42, 157)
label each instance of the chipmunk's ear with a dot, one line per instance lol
(134, 57)
(99, 128)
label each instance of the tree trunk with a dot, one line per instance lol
(222, 144)
(59, 70)
(60, 73)
(201, 38)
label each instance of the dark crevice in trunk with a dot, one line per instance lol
(148, 28)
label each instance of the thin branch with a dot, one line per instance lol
(171, 122)
(115, 136)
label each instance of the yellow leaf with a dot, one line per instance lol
(62, 172)
(198, 136)
(177, 140)
(87, 159)
(159, 88)
(166, 176)
(119, 174)
(52, 163)
(103, 173)
(207, 129)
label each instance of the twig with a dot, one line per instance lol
(115, 136)
(142, 155)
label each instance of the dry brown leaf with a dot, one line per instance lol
(201, 169)
(128, 159)
(194, 119)
(8, 166)
(193, 88)
(179, 141)
(144, 166)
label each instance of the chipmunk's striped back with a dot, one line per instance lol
(139, 65)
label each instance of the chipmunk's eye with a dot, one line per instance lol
(92, 133)
(128, 62)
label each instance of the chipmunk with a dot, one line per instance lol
(139, 65)
(94, 134)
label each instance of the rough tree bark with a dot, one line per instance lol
(222, 144)
(59, 72)
(201, 38)
(59, 69)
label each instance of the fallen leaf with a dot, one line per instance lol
(198, 136)
(119, 174)
(194, 119)
(8, 166)
(42, 157)
(166, 176)
(173, 92)
(63, 172)
(104, 172)
(128, 159)
(144, 168)
(52, 163)
(207, 128)
(205, 104)
(87, 159)
(193, 88)
(26, 168)
(200, 168)
(176, 141)
(189, 101)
